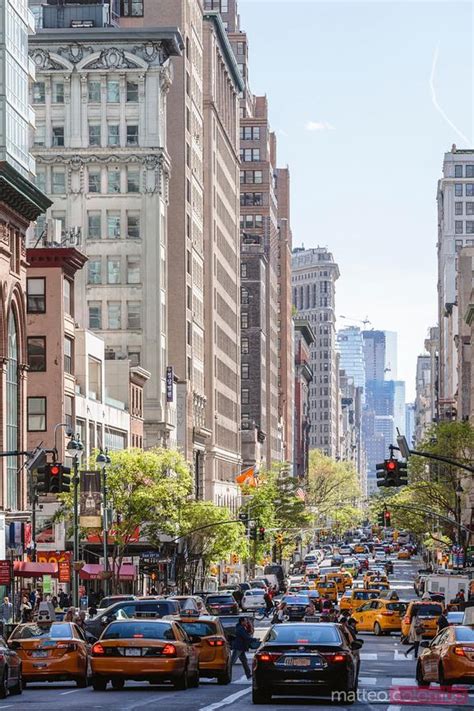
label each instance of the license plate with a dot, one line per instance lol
(297, 662)
(39, 654)
(133, 652)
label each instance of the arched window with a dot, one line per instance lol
(12, 412)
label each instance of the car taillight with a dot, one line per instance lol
(97, 649)
(216, 642)
(334, 656)
(461, 651)
(169, 650)
(266, 657)
(387, 613)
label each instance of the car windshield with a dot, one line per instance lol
(166, 607)
(304, 634)
(455, 616)
(465, 634)
(217, 599)
(397, 606)
(256, 593)
(51, 631)
(427, 610)
(364, 595)
(199, 629)
(138, 630)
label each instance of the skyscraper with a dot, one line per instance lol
(314, 276)
(350, 345)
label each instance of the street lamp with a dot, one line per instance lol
(104, 461)
(75, 449)
(459, 492)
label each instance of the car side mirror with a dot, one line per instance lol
(357, 644)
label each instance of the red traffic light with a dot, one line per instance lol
(54, 469)
(391, 465)
(387, 514)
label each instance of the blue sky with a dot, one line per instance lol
(350, 94)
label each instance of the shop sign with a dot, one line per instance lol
(47, 587)
(64, 571)
(5, 572)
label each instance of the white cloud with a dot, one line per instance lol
(319, 126)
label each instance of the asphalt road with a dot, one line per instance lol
(386, 683)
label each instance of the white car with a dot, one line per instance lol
(253, 600)
(379, 555)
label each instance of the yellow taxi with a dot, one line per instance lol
(359, 548)
(326, 588)
(403, 554)
(352, 599)
(379, 585)
(208, 637)
(51, 651)
(448, 659)
(339, 579)
(371, 576)
(144, 650)
(427, 613)
(348, 579)
(379, 616)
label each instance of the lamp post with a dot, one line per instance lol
(75, 449)
(103, 460)
(459, 492)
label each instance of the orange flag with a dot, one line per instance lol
(244, 475)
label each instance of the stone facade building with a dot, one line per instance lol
(100, 146)
(304, 339)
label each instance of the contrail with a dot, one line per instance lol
(438, 107)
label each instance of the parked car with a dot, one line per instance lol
(144, 650)
(222, 604)
(448, 658)
(306, 656)
(51, 651)
(11, 677)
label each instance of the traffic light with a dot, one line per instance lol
(261, 533)
(253, 532)
(42, 479)
(381, 519)
(65, 480)
(235, 558)
(244, 518)
(387, 519)
(381, 474)
(54, 478)
(388, 473)
(279, 539)
(402, 473)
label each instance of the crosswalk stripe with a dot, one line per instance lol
(368, 655)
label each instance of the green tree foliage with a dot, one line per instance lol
(333, 493)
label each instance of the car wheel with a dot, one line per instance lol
(260, 696)
(225, 677)
(442, 679)
(98, 683)
(18, 688)
(4, 685)
(194, 681)
(377, 629)
(182, 683)
(118, 684)
(81, 682)
(419, 676)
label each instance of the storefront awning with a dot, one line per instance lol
(25, 569)
(93, 571)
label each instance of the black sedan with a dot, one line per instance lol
(296, 606)
(305, 659)
(222, 604)
(11, 680)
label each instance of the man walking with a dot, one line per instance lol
(241, 645)
(6, 613)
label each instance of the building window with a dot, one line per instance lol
(94, 92)
(240, 47)
(113, 91)
(251, 176)
(132, 91)
(36, 346)
(469, 227)
(133, 225)
(95, 378)
(113, 180)
(245, 371)
(133, 315)
(469, 189)
(243, 270)
(39, 92)
(458, 229)
(68, 355)
(113, 134)
(36, 414)
(250, 133)
(94, 270)
(68, 411)
(244, 319)
(68, 297)
(58, 92)
(94, 180)
(470, 208)
(244, 346)
(58, 136)
(95, 316)
(469, 171)
(134, 357)
(58, 183)
(133, 270)
(36, 295)
(94, 225)
(133, 180)
(244, 296)
(458, 189)
(458, 171)
(132, 135)
(114, 315)
(245, 396)
(249, 155)
(94, 134)
(458, 208)
(40, 135)
(131, 8)
(113, 270)
(113, 225)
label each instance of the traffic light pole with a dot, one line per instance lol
(75, 573)
(406, 452)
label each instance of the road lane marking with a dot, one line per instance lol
(368, 680)
(368, 655)
(400, 656)
(394, 708)
(226, 702)
(65, 693)
(403, 681)
(242, 680)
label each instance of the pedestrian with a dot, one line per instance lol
(241, 644)
(70, 615)
(281, 614)
(238, 595)
(460, 597)
(63, 599)
(25, 609)
(92, 611)
(6, 611)
(310, 610)
(153, 590)
(81, 619)
(415, 635)
(442, 622)
(268, 603)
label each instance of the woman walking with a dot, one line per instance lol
(415, 635)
